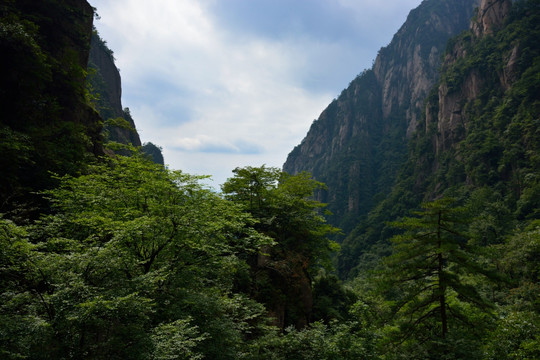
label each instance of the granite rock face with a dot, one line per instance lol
(451, 117)
(491, 15)
(359, 141)
(107, 83)
(46, 123)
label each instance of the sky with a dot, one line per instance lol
(220, 84)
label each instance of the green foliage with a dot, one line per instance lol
(286, 212)
(516, 333)
(119, 122)
(250, 187)
(136, 262)
(432, 274)
(520, 260)
(176, 340)
(45, 125)
(331, 299)
(490, 218)
(516, 337)
(336, 341)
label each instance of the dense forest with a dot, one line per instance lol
(107, 254)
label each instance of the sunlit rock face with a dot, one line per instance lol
(491, 15)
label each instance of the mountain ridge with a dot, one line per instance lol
(477, 141)
(357, 145)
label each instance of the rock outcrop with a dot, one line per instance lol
(358, 143)
(468, 81)
(491, 15)
(46, 124)
(106, 83)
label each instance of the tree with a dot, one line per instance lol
(517, 334)
(251, 187)
(285, 211)
(135, 262)
(431, 273)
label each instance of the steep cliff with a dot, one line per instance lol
(105, 86)
(463, 83)
(105, 82)
(481, 70)
(46, 123)
(359, 141)
(478, 141)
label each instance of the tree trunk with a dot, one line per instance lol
(442, 281)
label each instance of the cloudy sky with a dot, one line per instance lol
(226, 83)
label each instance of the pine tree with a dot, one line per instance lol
(431, 272)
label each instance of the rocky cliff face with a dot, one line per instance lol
(102, 60)
(491, 15)
(408, 68)
(106, 83)
(359, 141)
(46, 124)
(467, 81)
(479, 138)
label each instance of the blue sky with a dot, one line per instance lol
(227, 83)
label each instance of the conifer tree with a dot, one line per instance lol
(430, 272)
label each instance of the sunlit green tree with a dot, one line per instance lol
(134, 262)
(286, 211)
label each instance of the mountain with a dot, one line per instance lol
(129, 260)
(52, 112)
(105, 85)
(46, 123)
(478, 140)
(481, 122)
(105, 82)
(436, 116)
(359, 141)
